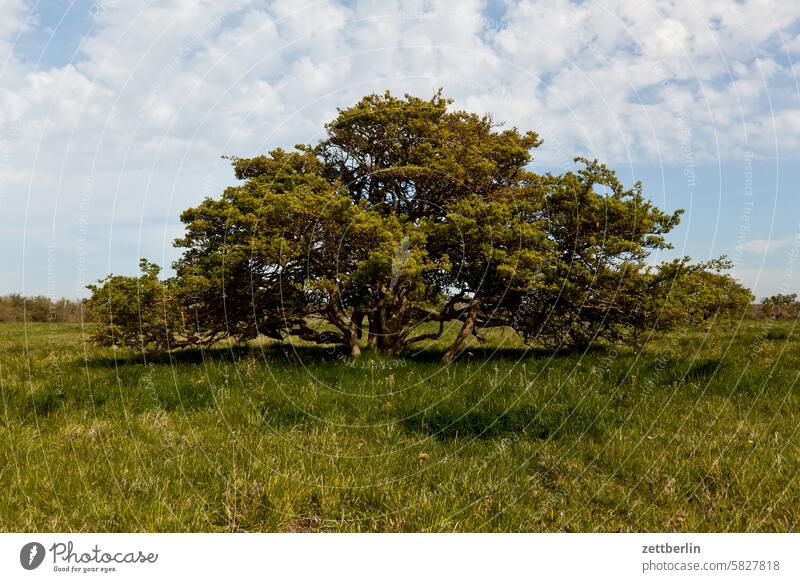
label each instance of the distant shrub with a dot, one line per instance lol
(781, 306)
(40, 309)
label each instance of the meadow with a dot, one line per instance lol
(698, 432)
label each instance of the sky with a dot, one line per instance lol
(115, 114)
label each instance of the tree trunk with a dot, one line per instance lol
(466, 330)
(358, 319)
(372, 342)
(377, 328)
(352, 339)
(382, 339)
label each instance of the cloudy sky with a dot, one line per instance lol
(114, 114)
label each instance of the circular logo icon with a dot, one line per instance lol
(31, 555)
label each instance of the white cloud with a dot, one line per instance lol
(764, 246)
(159, 91)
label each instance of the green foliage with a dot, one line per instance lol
(139, 313)
(597, 284)
(406, 217)
(702, 292)
(365, 226)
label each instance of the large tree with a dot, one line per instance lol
(408, 216)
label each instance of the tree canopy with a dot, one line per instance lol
(406, 218)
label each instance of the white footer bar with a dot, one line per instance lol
(389, 557)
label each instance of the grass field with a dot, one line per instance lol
(698, 432)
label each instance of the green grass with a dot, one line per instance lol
(698, 432)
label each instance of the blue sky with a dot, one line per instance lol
(114, 114)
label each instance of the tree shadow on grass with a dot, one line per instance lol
(677, 372)
(481, 353)
(524, 422)
(222, 354)
(309, 354)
